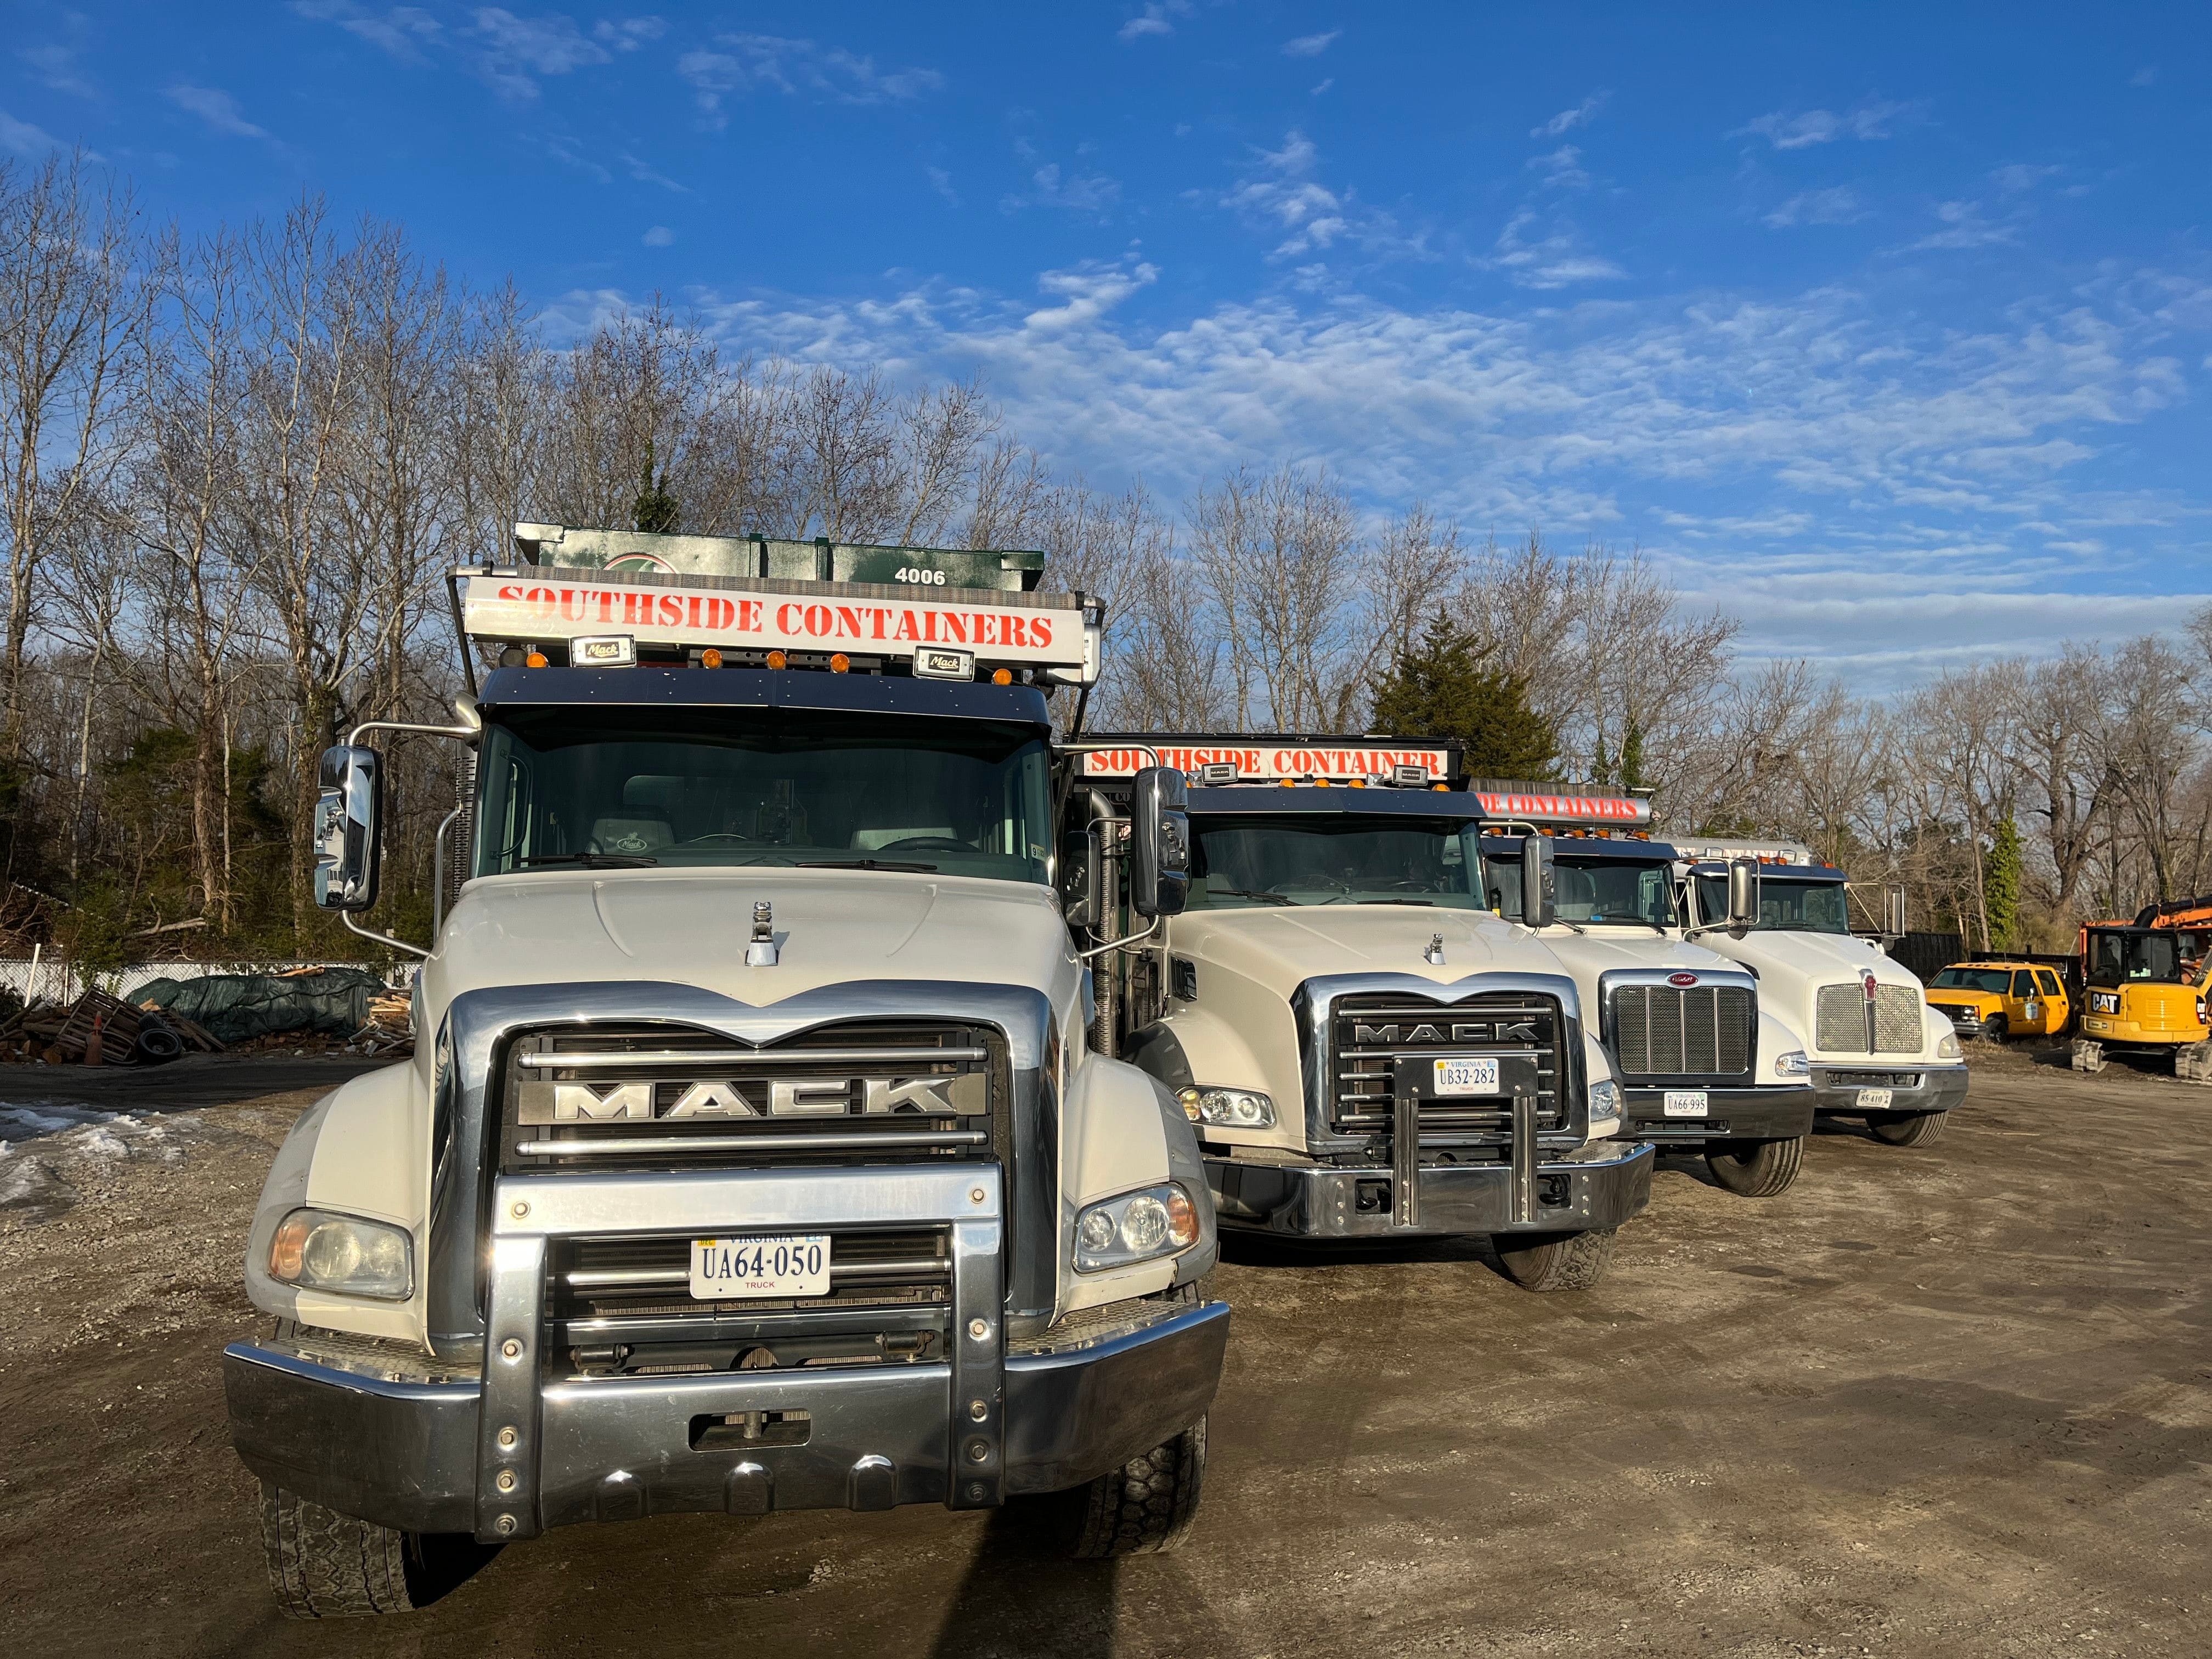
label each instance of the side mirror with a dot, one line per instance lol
(348, 850)
(1743, 893)
(1079, 881)
(1159, 842)
(1539, 882)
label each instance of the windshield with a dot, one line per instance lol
(616, 787)
(1994, 981)
(1810, 906)
(1592, 890)
(1242, 860)
(2131, 958)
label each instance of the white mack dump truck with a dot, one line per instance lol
(1366, 1051)
(1708, 1060)
(1878, 1051)
(752, 1155)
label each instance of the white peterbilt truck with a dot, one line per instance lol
(1367, 1051)
(1708, 1062)
(1877, 1051)
(752, 1155)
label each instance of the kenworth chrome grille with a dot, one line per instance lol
(658, 1097)
(622, 1306)
(1371, 1034)
(1702, 1031)
(1840, 1020)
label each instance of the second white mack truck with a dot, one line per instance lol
(1366, 1051)
(1878, 1051)
(753, 1155)
(1707, 1061)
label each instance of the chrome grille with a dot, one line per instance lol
(1369, 1034)
(622, 1306)
(1840, 1022)
(658, 1097)
(1667, 1031)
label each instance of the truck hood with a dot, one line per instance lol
(691, 926)
(1282, 947)
(1792, 967)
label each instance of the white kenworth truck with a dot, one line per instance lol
(1366, 1051)
(1709, 1063)
(1878, 1051)
(753, 1156)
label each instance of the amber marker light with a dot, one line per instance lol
(710, 658)
(1002, 677)
(1182, 1219)
(777, 659)
(287, 1250)
(1321, 783)
(840, 663)
(535, 660)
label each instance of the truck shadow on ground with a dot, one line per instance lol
(1022, 1594)
(1252, 1250)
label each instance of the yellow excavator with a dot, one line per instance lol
(2144, 989)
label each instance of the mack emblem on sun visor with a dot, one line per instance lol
(967, 1096)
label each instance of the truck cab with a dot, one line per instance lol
(1999, 999)
(1364, 1049)
(1707, 1062)
(1877, 1051)
(753, 1155)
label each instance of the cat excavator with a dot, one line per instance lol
(2146, 986)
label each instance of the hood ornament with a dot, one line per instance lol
(762, 952)
(1434, 956)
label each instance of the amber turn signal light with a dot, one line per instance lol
(840, 663)
(1002, 677)
(710, 658)
(535, 660)
(777, 659)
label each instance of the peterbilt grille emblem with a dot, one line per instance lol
(1682, 980)
(724, 1098)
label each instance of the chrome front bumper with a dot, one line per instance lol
(1756, 1114)
(1912, 1089)
(517, 1449)
(1319, 1200)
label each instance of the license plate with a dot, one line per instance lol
(1874, 1100)
(1685, 1103)
(784, 1265)
(1466, 1077)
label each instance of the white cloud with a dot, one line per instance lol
(1820, 126)
(658, 236)
(1092, 193)
(941, 182)
(1153, 19)
(1310, 45)
(744, 63)
(23, 138)
(402, 31)
(216, 107)
(1567, 119)
(1964, 225)
(1555, 259)
(1562, 168)
(1840, 205)
(2142, 78)
(56, 66)
(1323, 85)
(628, 34)
(1285, 200)
(2021, 177)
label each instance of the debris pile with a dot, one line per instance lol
(100, 1030)
(318, 1010)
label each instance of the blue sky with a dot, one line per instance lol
(1887, 328)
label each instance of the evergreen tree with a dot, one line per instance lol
(2001, 885)
(1441, 688)
(656, 509)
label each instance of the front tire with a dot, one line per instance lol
(1996, 1029)
(1756, 1169)
(1555, 1262)
(1146, 1507)
(323, 1564)
(1909, 1128)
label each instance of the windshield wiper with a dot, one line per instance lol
(591, 861)
(1239, 892)
(867, 864)
(1624, 920)
(1347, 898)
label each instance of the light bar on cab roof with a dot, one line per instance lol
(1265, 760)
(1049, 634)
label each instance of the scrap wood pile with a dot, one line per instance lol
(100, 1030)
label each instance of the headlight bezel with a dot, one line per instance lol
(1166, 1201)
(1802, 1068)
(360, 1256)
(1946, 1046)
(1215, 1106)
(1606, 1100)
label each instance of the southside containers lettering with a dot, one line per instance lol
(1566, 809)
(1266, 761)
(522, 610)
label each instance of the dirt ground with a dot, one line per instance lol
(1950, 1401)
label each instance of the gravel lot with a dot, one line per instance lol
(1955, 1400)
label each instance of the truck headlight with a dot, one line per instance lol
(1135, 1227)
(1948, 1047)
(318, 1250)
(1605, 1100)
(1793, 1064)
(1233, 1109)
